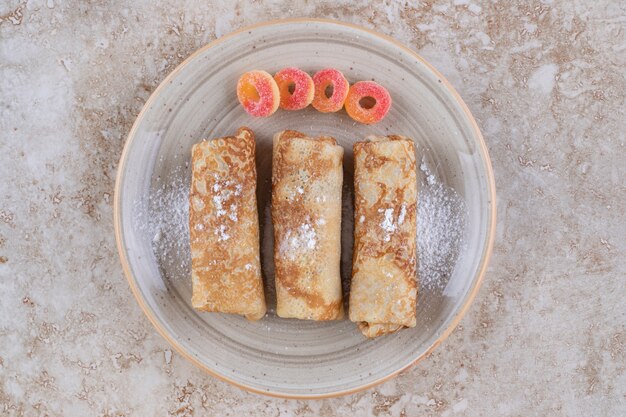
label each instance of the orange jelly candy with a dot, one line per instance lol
(368, 102)
(332, 100)
(296, 88)
(258, 93)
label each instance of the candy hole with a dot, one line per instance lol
(291, 88)
(251, 92)
(329, 90)
(367, 102)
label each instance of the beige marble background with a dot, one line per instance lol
(546, 82)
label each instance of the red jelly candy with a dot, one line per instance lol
(258, 93)
(332, 100)
(368, 102)
(296, 88)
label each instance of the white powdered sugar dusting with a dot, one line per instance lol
(301, 239)
(233, 212)
(402, 214)
(388, 224)
(441, 220)
(221, 233)
(223, 193)
(165, 217)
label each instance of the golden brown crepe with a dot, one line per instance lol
(307, 177)
(383, 291)
(224, 227)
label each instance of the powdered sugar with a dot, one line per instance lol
(165, 217)
(402, 214)
(222, 193)
(233, 212)
(221, 233)
(441, 220)
(388, 224)
(303, 238)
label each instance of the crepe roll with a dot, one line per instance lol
(224, 227)
(383, 291)
(307, 178)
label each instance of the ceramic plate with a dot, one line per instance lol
(284, 357)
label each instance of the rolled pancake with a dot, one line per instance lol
(383, 290)
(307, 177)
(224, 227)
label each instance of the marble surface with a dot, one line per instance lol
(546, 82)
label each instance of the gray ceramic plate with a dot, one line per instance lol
(291, 358)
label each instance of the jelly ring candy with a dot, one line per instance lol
(368, 102)
(331, 90)
(296, 88)
(258, 93)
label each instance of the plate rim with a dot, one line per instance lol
(485, 257)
